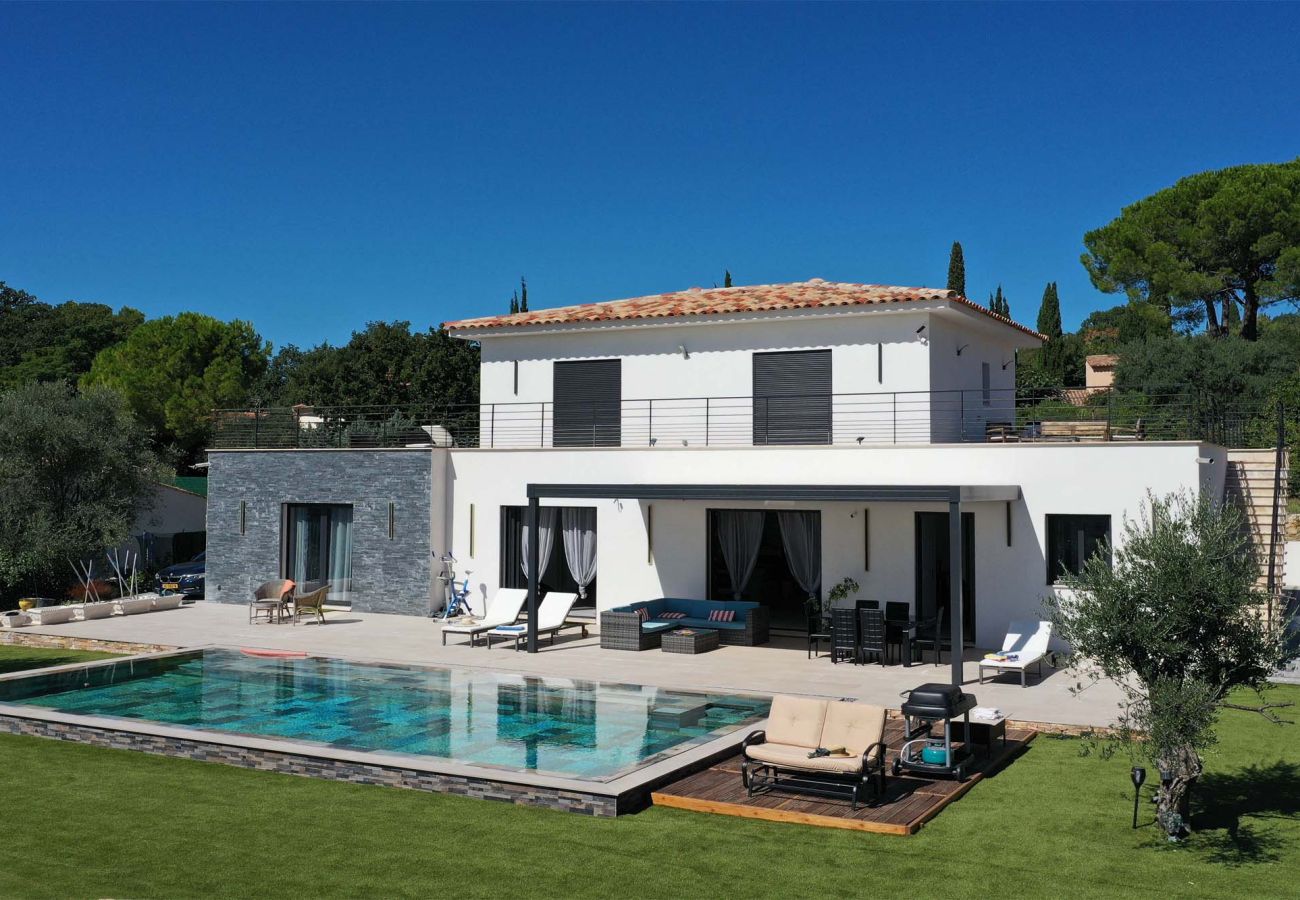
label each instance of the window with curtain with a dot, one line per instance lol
(568, 552)
(318, 546)
(1071, 540)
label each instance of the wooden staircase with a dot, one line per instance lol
(1249, 480)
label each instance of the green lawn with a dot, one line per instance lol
(15, 658)
(88, 822)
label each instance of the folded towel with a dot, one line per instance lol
(512, 628)
(986, 712)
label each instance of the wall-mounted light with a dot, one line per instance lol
(1007, 363)
(919, 330)
(681, 348)
(1205, 460)
(961, 348)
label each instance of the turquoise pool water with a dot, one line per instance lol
(577, 729)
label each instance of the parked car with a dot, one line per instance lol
(183, 578)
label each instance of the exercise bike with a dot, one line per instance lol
(455, 601)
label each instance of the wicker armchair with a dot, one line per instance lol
(269, 600)
(311, 603)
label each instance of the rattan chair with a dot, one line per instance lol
(311, 604)
(269, 600)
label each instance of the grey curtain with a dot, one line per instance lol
(740, 531)
(545, 539)
(801, 535)
(578, 530)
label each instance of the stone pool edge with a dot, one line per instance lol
(619, 796)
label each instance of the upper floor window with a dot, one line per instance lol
(792, 397)
(587, 403)
(1071, 540)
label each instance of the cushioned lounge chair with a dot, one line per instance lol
(551, 615)
(778, 758)
(502, 609)
(1027, 640)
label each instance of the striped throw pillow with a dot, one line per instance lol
(722, 615)
(672, 615)
(643, 614)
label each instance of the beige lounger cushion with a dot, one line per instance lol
(853, 726)
(796, 721)
(789, 757)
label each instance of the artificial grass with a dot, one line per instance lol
(90, 822)
(15, 657)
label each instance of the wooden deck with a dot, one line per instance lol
(910, 801)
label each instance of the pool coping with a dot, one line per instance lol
(622, 793)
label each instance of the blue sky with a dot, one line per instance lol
(310, 168)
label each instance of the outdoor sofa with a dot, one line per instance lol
(782, 755)
(641, 626)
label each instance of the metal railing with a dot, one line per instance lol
(908, 417)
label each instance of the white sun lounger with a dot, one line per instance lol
(502, 609)
(551, 615)
(1027, 639)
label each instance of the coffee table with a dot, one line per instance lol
(695, 640)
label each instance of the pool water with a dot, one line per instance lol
(576, 729)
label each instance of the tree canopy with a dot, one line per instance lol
(41, 342)
(175, 370)
(385, 364)
(957, 269)
(74, 470)
(1212, 248)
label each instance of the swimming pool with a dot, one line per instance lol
(594, 731)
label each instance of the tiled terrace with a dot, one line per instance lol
(779, 667)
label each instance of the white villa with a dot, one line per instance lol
(866, 429)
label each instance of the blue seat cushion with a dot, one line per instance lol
(738, 625)
(655, 625)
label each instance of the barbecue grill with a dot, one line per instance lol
(924, 753)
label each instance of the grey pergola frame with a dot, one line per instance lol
(953, 495)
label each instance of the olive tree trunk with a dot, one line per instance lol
(1180, 767)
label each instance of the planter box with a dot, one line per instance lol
(129, 606)
(52, 615)
(167, 601)
(15, 620)
(101, 610)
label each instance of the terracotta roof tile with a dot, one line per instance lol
(812, 294)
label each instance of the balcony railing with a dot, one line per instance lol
(915, 417)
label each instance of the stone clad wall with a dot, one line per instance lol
(389, 574)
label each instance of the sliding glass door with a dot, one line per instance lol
(318, 546)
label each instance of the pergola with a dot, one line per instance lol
(953, 495)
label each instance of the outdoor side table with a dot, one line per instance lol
(697, 640)
(983, 732)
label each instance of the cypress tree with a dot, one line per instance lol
(957, 269)
(523, 294)
(514, 303)
(726, 280)
(1049, 313)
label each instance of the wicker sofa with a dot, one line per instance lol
(626, 628)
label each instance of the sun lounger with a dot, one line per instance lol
(1025, 645)
(502, 609)
(551, 615)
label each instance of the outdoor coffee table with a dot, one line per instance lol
(696, 640)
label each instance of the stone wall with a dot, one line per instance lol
(320, 767)
(63, 642)
(390, 574)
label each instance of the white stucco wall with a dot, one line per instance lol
(1111, 479)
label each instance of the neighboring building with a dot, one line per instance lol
(172, 528)
(782, 437)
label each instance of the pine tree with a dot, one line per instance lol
(726, 281)
(514, 303)
(523, 294)
(957, 270)
(1049, 313)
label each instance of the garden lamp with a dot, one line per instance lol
(1138, 775)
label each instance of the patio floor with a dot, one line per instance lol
(909, 802)
(779, 667)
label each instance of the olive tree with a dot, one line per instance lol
(1176, 621)
(74, 470)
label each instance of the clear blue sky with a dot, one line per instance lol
(310, 168)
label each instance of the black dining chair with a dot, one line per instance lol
(868, 604)
(819, 630)
(897, 617)
(873, 643)
(897, 611)
(844, 635)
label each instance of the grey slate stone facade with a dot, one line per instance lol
(389, 574)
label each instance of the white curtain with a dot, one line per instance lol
(801, 535)
(340, 558)
(545, 539)
(301, 541)
(740, 532)
(578, 530)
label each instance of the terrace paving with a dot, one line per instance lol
(779, 667)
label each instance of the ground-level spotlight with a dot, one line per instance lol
(1139, 775)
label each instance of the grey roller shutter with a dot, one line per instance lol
(792, 397)
(587, 405)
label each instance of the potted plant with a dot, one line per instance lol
(817, 614)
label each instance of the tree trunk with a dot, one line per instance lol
(1211, 318)
(1249, 312)
(1180, 767)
